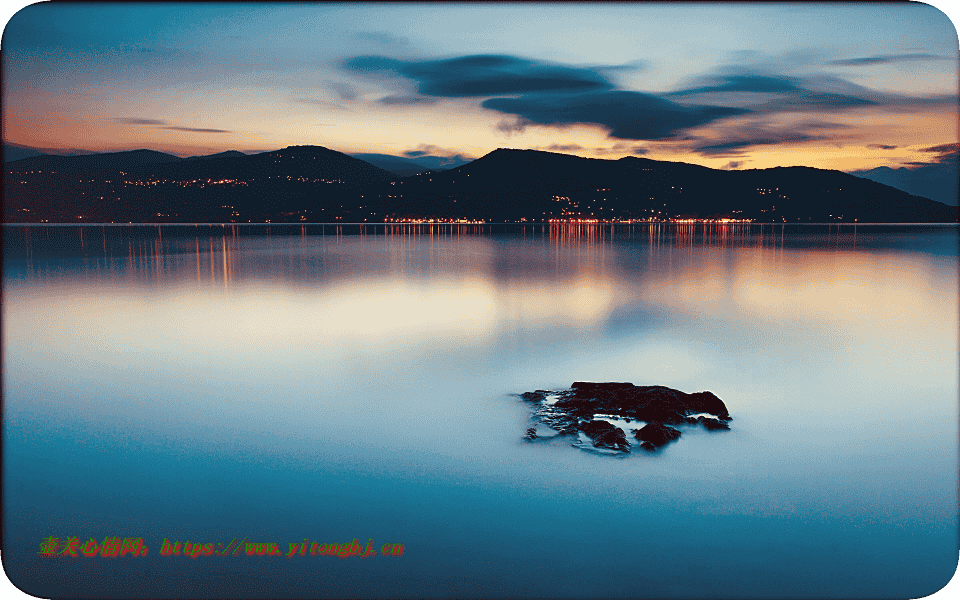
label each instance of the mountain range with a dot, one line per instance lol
(315, 184)
(405, 167)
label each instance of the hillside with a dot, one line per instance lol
(515, 185)
(293, 184)
(316, 184)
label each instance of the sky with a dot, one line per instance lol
(726, 85)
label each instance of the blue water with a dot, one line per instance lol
(328, 383)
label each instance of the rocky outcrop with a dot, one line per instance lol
(654, 435)
(606, 435)
(599, 410)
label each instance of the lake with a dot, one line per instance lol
(296, 384)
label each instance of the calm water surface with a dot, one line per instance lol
(282, 383)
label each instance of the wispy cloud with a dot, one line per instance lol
(137, 121)
(407, 100)
(510, 127)
(771, 93)
(344, 90)
(429, 149)
(626, 115)
(944, 150)
(564, 147)
(436, 157)
(733, 164)
(620, 148)
(318, 102)
(887, 58)
(482, 75)
(882, 146)
(198, 129)
(382, 38)
(162, 124)
(735, 139)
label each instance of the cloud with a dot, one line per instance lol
(887, 58)
(767, 93)
(136, 121)
(515, 126)
(735, 139)
(381, 37)
(428, 149)
(159, 122)
(626, 115)
(198, 130)
(619, 148)
(947, 151)
(742, 83)
(435, 157)
(344, 90)
(407, 100)
(738, 146)
(482, 75)
(318, 102)
(564, 147)
(882, 146)
(733, 164)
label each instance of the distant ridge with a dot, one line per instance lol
(95, 162)
(533, 185)
(316, 184)
(404, 167)
(227, 154)
(313, 162)
(297, 183)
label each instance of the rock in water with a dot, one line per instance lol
(589, 408)
(713, 424)
(606, 435)
(654, 435)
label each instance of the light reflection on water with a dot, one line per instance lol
(348, 365)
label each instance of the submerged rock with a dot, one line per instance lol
(655, 435)
(714, 424)
(588, 408)
(606, 435)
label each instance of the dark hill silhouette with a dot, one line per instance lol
(299, 183)
(403, 167)
(108, 161)
(12, 152)
(937, 180)
(511, 185)
(295, 162)
(316, 184)
(227, 154)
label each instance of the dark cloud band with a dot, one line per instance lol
(627, 115)
(887, 58)
(198, 130)
(482, 75)
(135, 121)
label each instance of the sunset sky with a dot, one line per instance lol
(839, 86)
